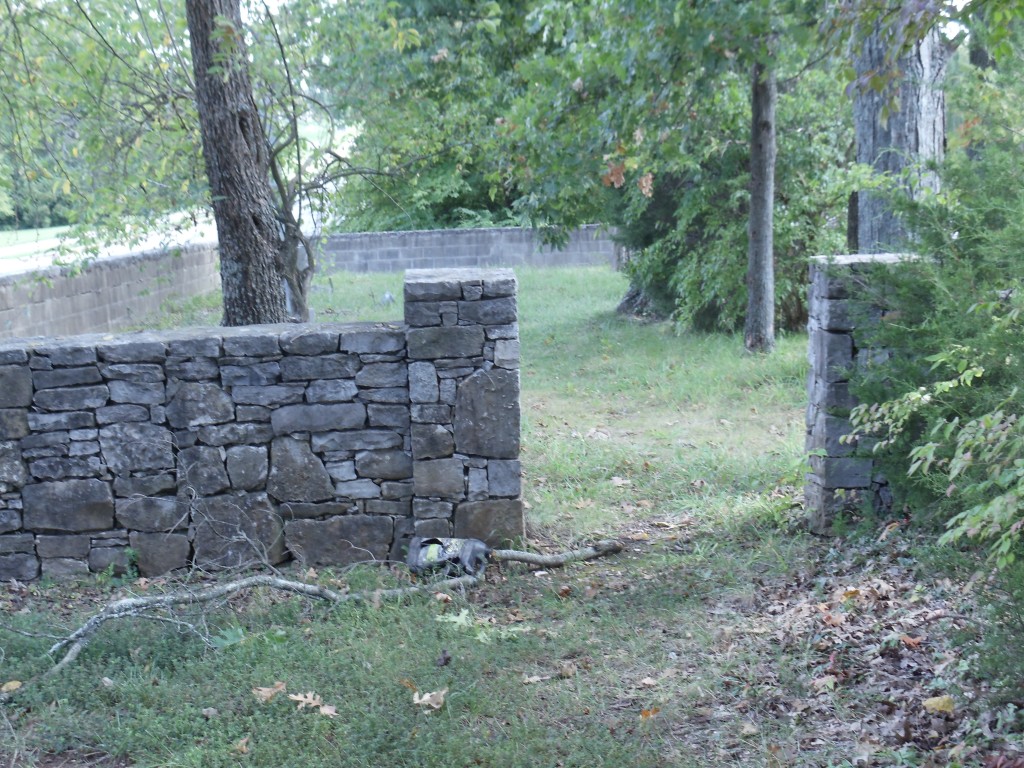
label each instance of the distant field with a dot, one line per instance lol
(17, 243)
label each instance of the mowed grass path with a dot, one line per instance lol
(682, 446)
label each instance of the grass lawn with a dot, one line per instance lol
(27, 236)
(723, 635)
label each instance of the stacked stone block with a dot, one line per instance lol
(842, 476)
(231, 447)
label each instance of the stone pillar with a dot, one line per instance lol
(463, 350)
(842, 476)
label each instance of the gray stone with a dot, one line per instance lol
(68, 505)
(386, 395)
(506, 353)
(201, 470)
(296, 474)
(332, 391)
(455, 341)
(423, 383)
(340, 540)
(62, 546)
(13, 423)
(499, 282)
(434, 528)
(426, 413)
(10, 518)
(440, 477)
(64, 568)
(391, 489)
(199, 403)
(396, 416)
(405, 529)
(383, 375)
(487, 414)
(356, 440)
(49, 422)
(378, 341)
(302, 511)
(139, 372)
(318, 418)
(19, 542)
(84, 434)
(253, 413)
(236, 531)
(59, 468)
(831, 356)
(423, 314)
(447, 390)
(129, 448)
(249, 433)
(132, 352)
(251, 342)
(15, 354)
(117, 414)
(71, 399)
(388, 507)
(21, 567)
(432, 441)
(44, 439)
(433, 284)
(504, 478)
(247, 466)
(109, 558)
(357, 489)
(280, 394)
(205, 345)
(15, 386)
(252, 375)
(160, 553)
(426, 509)
(307, 341)
(66, 353)
(340, 471)
(384, 465)
(472, 291)
(340, 366)
(152, 513)
(476, 484)
(510, 331)
(841, 472)
(152, 485)
(203, 369)
(12, 468)
(66, 377)
(488, 311)
(498, 522)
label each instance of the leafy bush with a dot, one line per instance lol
(947, 404)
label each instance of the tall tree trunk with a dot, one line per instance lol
(236, 152)
(911, 135)
(759, 327)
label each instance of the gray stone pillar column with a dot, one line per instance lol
(842, 476)
(463, 349)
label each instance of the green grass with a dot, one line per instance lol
(11, 237)
(699, 645)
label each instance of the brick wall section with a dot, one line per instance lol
(232, 446)
(434, 249)
(842, 475)
(106, 294)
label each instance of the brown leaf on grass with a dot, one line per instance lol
(621, 482)
(564, 591)
(911, 642)
(266, 694)
(405, 681)
(939, 705)
(328, 710)
(303, 700)
(432, 700)
(242, 746)
(442, 597)
(583, 503)
(531, 679)
(824, 683)
(646, 714)
(648, 682)
(10, 686)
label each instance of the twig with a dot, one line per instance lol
(600, 549)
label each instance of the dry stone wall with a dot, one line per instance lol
(842, 475)
(230, 447)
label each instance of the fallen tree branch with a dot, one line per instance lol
(128, 607)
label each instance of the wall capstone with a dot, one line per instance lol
(229, 447)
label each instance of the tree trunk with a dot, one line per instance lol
(759, 327)
(235, 152)
(912, 135)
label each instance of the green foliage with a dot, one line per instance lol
(946, 405)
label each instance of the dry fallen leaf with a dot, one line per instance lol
(648, 713)
(209, 712)
(825, 683)
(568, 670)
(749, 729)
(648, 682)
(266, 694)
(328, 710)
(939, 705)
(242, 746)
(10, 686)
(432, 700)
(621, 482)
(911, 642)
(442, 597)
(106, 682)
(530, 680)
(564, 591)
(304, 700)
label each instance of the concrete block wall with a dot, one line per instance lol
(226, 447)
(842, 476)
(433, 249)
(106, 294)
